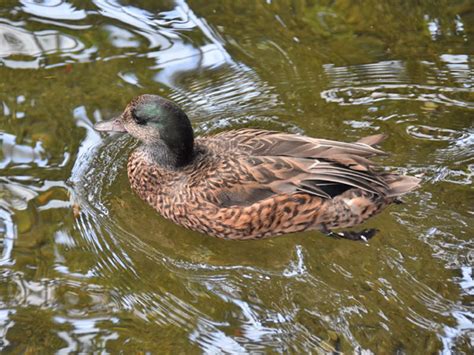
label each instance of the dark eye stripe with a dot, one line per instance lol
(137, 119)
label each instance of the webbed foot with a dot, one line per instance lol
(363, 235)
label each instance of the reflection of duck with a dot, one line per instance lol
(250, 183)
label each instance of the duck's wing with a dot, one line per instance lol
(254, 142)
(249, 179)
(266, 163)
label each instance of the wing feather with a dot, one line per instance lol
(273, 162)
(271, 143)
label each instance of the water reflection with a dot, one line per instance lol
(52, 9)
(17, 41)
(121, 38)
(360, 85)
(86, 266)
(20, 154)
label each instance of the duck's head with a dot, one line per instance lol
(158, 123)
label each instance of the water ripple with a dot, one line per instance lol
(53, 9)
(391, 80)
(16, 41)
(367, 95)
(87, 266)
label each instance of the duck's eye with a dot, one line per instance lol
(138, 119)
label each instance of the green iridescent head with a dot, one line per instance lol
(158, 123)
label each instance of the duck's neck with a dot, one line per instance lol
(171, 157)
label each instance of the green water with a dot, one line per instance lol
(87, 266)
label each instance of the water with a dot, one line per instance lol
(87, 266)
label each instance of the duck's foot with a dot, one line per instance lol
(363, 235)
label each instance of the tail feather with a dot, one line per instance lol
(373, 140)
(400, 184)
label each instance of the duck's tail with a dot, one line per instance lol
(373, 140)
(400, 184)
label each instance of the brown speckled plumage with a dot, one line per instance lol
(249, 183)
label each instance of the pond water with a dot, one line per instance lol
(87, 266)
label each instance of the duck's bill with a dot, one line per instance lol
(113, 125)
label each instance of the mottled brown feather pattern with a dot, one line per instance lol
(248, 184)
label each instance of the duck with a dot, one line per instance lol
(250, 183)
